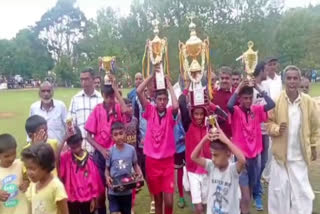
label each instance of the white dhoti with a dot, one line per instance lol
(290, 191)
(267, 169)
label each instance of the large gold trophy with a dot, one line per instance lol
(194, 62)
(107, 65)
(156, 54)
(250, 60)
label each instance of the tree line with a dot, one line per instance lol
(64, 41)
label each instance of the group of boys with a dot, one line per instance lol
(142, 135)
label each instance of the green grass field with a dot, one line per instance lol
(14, 110)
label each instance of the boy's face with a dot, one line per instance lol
(119, 136)
(272, 67)
(7, 157)
(34, 171)
(246, 100)
(41, 134)
(198, 115)
(236, 80)
(109, 100)
(305, 86)
(76, 149)
(161, 102)
(130, 113)
(220, 158)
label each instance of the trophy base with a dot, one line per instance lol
(126, 182)
(197, 96)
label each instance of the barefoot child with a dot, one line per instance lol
(46, 192)
(121, 160)
(12, 183)
(159, 145)
(80, 176)
(223, 176)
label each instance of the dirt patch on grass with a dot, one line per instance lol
(7, 115)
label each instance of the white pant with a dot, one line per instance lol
(267, 168)
(290, 191)
(198, 187)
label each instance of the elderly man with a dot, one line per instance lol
(54, 111)
(138, 79)
(84, 102)
(295, 130)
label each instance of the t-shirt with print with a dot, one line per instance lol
(224, 194)
(258, 99)
(246, 130)
(121, 163)
(131, 131)
(44, 201)
(159, 141)
(10, 179)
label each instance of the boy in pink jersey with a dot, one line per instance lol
(98, 127)
(159, 146)
(246, 134)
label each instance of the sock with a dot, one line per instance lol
(168, 210)
(179, 181)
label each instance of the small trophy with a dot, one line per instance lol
(195, 50)
(70, 127)
(156, 52)
(107, 65)
(250, 60)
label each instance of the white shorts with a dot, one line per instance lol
(198, 188)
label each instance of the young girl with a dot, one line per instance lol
(80, 176)
(46, 192)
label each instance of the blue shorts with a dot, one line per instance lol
(120, 203)
(249, 176)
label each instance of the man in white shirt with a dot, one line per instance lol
(273, 79)
(84, 102)
(295, 131)
(260, 75)
(54, 111)
(274, 84)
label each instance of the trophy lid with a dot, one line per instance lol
(155, 24)
(194, 43)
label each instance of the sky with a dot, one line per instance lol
(18, 14)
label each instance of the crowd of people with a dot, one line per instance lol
(265, 133)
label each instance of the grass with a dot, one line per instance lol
(14, 110)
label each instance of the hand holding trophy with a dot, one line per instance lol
(250, 61)
(107, 65)
(156, 52)
(196, 51)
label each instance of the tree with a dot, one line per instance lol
(61, 27)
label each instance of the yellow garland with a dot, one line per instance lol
(209, 72)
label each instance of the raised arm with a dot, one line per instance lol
(123, 105)
(175, 104)
(143, 100)
(195, 155)
(269, 102)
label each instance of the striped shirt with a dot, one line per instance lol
(80, 108)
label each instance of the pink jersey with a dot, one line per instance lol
(82, 183)
(246, 130)
(99, 124)
(159, 141)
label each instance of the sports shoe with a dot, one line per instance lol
(181, 203)
(152, 208)
(259, 203)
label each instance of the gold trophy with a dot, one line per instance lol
(250, 60)
(156, 52)
(107, 64)
(196, 51)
